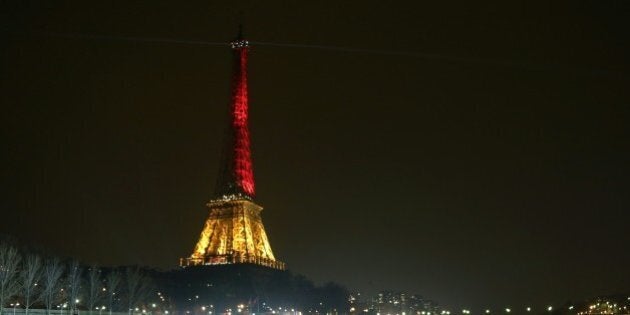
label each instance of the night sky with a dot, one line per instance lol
(489, 169)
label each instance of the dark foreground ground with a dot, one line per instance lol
(253, 287)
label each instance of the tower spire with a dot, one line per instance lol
(236, 178)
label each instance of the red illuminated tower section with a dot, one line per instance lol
(236, 178)
(234, 232)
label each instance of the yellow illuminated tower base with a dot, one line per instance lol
(234, 233)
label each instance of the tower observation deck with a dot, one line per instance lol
(234, 232)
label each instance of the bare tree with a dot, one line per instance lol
(74, 284)
(9, 264)
(94, 287)
(138, 287)
(113, 284)
(30, 275)
(51, 283)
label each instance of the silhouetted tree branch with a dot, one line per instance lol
(9, 264)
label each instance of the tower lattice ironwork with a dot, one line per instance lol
(234, 232)
(236, 177)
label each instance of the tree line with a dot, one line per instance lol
(47, 282)
(30, 280)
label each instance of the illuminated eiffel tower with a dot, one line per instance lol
(234, 232)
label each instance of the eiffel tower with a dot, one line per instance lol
(234, 232)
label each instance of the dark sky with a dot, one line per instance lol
(494, 175)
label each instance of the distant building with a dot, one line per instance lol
(395, 303)
(612, 305)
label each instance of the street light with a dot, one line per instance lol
(14, 306)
